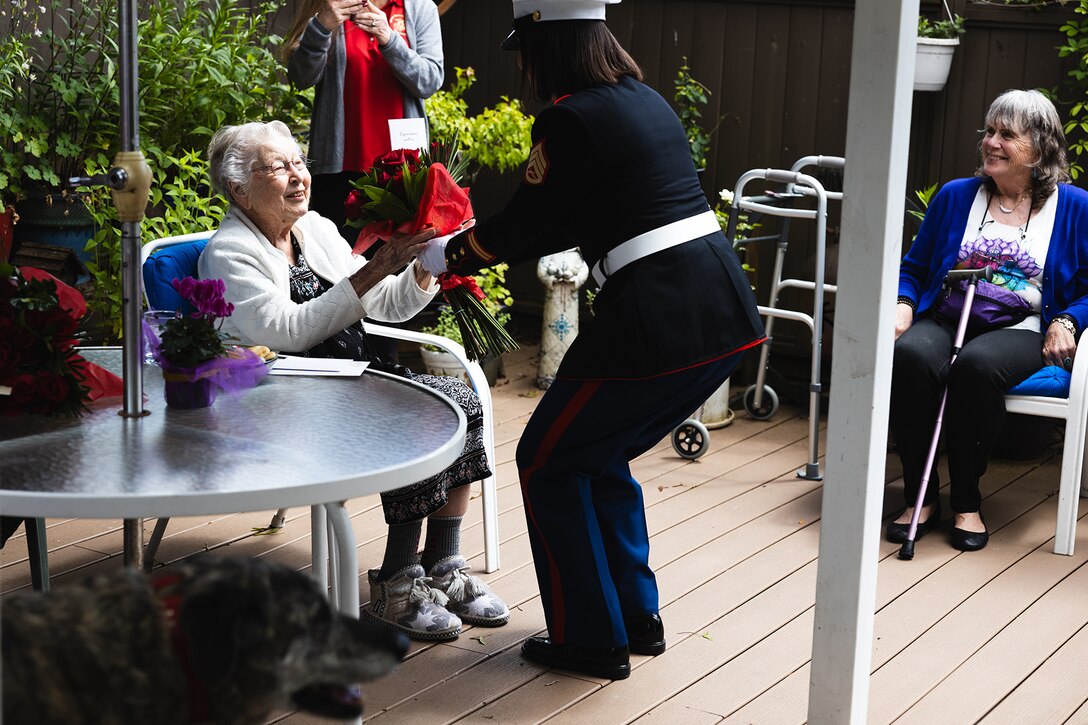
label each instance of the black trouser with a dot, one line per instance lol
(987, 366)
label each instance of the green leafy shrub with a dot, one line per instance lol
(924, 196)
(743, 229)
(201, 65)
(690, 96)
(497, 138)
(1076, 128)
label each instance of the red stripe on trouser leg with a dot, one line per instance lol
(547, 445)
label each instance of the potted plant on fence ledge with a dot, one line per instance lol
(937, 41)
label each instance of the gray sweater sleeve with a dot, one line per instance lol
(307, 63)
(420, 68)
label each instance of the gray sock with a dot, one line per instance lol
(400, 548)
(443, 540)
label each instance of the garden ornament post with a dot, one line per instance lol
(562, 274)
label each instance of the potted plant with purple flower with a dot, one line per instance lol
(196, 359)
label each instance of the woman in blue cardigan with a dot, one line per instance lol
(1019, 216)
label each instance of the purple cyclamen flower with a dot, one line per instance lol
(205, 295)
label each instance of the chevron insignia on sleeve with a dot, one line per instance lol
(477, 249)
(537, 167)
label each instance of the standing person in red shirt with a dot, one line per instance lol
(371, 61)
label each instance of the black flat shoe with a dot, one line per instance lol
(610, 663)
(970, 540)
(645, 635)
(897, 533)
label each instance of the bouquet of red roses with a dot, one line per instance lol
(406, 191)
(40, 370)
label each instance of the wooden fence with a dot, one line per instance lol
(778, 72)
(778, 76)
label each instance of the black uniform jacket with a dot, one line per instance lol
(609, 163)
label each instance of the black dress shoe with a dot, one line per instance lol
(610, 663)
(645, 635)
(897, 533)
(970, 540)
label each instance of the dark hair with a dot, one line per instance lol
(1031, 113)
(564, 56)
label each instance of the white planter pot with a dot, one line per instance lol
(442, 363)
(716, 412)
(932, 61)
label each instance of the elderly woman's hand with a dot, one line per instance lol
(1059, 345)
(391, 257)
(336, 12)
(904, 317)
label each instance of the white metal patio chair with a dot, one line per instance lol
(159, 267)
(1074, 411)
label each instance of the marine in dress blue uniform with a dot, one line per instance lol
(610, 163)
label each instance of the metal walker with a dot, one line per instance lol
(760, 400)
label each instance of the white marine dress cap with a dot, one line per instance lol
(529, 12)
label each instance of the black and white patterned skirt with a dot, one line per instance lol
(422, 499)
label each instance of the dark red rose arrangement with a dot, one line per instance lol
(40, 370)
(194, 348)
(406, 191)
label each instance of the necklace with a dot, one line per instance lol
(1006, 210)
(1023, 230)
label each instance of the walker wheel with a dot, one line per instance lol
(767, 409)
(690, 439)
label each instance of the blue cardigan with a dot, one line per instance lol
(1065, 272)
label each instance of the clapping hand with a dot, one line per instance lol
(373, 21)
(336, 12)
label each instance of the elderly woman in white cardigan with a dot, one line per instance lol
(297, 288)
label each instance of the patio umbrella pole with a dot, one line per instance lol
(130, 182)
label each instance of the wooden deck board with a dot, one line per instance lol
(994, 636)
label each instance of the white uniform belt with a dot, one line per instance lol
(653, 241)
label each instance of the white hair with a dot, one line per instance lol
(234, 149)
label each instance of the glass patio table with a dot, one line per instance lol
(291, 441)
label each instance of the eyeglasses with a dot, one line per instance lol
(280, 168)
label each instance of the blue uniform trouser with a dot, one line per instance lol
(586, 521)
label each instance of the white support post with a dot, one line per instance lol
(877, 139)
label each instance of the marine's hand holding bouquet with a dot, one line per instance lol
(406, 192)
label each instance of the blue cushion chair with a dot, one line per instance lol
(164, 260)
(1051, 381)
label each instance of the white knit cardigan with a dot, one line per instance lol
(257, 281)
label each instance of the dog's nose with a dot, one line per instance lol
(400, 644)
(381, 636)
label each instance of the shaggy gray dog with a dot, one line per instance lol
(229, 641)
